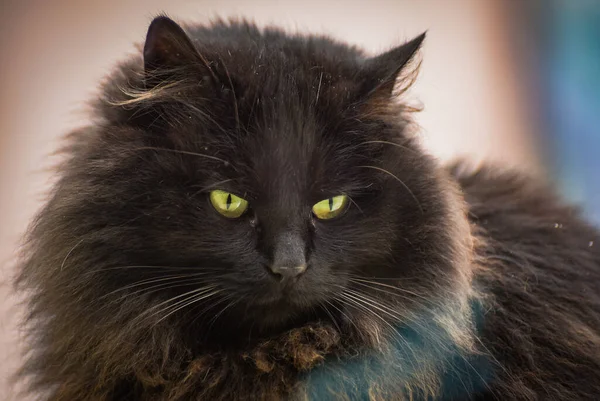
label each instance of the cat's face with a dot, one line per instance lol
(259, 187)
(293, 208)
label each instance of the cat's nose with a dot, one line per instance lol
(289, 261)
(288, 272)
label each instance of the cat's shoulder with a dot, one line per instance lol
(540, 273)
(529, 227)
(514, 197)
(489, 182)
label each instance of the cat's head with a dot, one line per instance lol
(254, 179)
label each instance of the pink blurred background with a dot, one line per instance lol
(53, 53)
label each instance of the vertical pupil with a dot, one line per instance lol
(228, 201)
(330, 204)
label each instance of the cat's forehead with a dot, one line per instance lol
(298, 138)
(282, 157)
(294, 159)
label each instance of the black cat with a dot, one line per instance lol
(247, 219)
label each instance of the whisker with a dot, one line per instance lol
(170, 300)
(408, 318)
(208, 308)
(365, 307)
(194, 300)
(152, 290)
(399, 279)
(173, 283)
(229, 305)
(366, 283)
(216, 184)
(175, 305)
(184, 152)
(344, 314)
(174, 268)
(399, 295)
(399, 181)
(355, 204)
(361, 305)
(156, 280)
(333, 320)
(374, 304)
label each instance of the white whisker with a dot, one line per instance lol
(333, 320)
(399, 181)
(367, 283)
(343, 314)
(374, 304)
(194, 300)
(156, 280)
(365, 306)
(229, 305)
(170, 300)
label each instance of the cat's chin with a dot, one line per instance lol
(276, 312)
(272, 312)
(277, 303)
(246, 326)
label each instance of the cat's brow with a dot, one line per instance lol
(214, 185)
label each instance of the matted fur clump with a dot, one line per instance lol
(247, 218)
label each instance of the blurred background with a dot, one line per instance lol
(514, 82)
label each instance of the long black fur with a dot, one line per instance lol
(435, 283)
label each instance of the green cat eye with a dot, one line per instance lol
(331, 207)
(228, 204)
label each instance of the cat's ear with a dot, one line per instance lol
(167, 48)
(383, 70)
